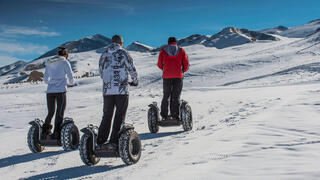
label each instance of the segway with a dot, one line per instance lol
(129, 148)
(185, 118)
(69, 138)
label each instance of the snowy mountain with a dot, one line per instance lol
(84, 44)
(228, 37)
(139, 47)
(303, 30)
(232, 37)
(83, 62)
(191, 40)
(276, 30)
(11, 67)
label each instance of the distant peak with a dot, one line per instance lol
(282, 28)
(316, 21)
(137, 46)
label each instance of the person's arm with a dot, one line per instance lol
(46, 76)
(160, 60)
(185, 62)
(131, 68)
(101, 63)
(68, 71)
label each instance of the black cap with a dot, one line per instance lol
(172, 39)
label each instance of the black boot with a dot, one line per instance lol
(46, 130)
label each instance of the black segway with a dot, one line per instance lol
(129, 148)
(185, 117)
(69, 139)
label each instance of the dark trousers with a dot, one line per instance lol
(171, 88)
(120, 102)
(61, 101)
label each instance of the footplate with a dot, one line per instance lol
(170, 122)
(50, 142)
(106, 153)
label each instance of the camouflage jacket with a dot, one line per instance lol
(115, 65)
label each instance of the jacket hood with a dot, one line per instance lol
(55, 59)
(172, 49)
(113, 47)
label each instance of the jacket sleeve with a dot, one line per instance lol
(46, 76)
(68, 71)
(160, 60)
(131, 68)
(185, 62)
(101, 62)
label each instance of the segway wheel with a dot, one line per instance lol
(153, 120)
(33, 140)
(130, 147)
(86, 151)
(70, 137)
(186, 117)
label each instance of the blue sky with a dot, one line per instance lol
(28, 28)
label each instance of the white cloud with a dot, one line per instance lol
(6, 60)
(22, 48)
(6, 30)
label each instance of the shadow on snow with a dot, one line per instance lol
(74, 172)
(18, 159)
(147, 136)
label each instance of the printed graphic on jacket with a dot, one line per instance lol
(115, 65)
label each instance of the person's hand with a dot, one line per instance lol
(133, 83)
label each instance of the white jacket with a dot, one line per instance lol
(57, 70)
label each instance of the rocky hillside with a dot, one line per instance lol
(81, 45)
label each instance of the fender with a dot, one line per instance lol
(183, 104)
(66, 121)
(92, 131)
(125, 127)
(154, 105)
(37, 123)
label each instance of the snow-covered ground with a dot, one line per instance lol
(256, 116)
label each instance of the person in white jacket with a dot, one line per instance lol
(58, 69)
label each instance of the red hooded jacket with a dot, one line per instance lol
(173, 61)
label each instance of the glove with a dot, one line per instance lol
(72, 85)
(133, 83)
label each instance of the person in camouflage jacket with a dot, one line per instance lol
(115, 65)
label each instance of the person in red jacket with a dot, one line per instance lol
(173, 61)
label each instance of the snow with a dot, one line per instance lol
(255, 108)
(301, 31)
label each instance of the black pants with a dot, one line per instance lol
(52, 99)
(171, 88)
(120, 102)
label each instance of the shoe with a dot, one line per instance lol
(46, 131)
(164, 118)
(174, 117)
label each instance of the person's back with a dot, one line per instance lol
(115, 64)
(56, 73)
(173, 60)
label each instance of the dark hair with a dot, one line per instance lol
(117, 39)
(62, 51)
(172, 39)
